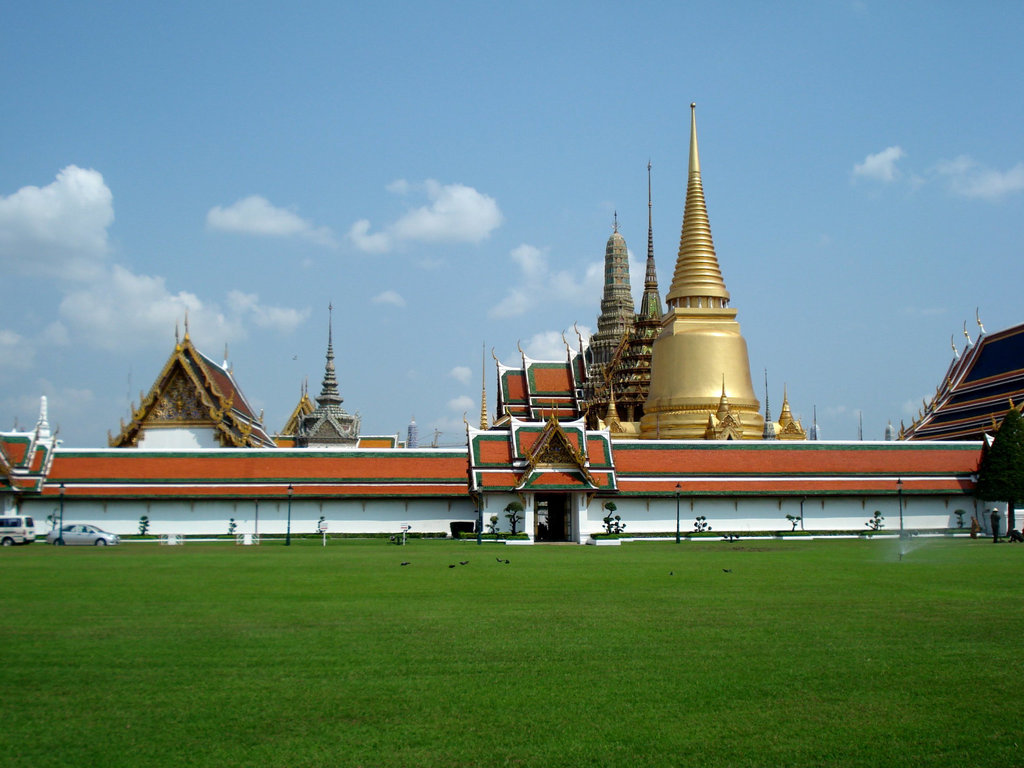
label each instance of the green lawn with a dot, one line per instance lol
(649, 654)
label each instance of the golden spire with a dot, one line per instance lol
(697, 281)
(700, 339)
(483, 387)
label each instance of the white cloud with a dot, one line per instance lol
(255, 215)
(549, 345)
(359, 234)
(461, 373)
(16, 353)
(96, 313)
(540, 284)
(880, 166)
(461, 403)
(59, 229)
(389, 297)
(969, 178)
(456, 214)
(280, 319)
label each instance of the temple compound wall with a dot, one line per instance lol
(735, 486)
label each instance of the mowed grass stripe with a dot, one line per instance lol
(752, 653)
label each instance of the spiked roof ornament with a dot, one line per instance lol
(697, 274)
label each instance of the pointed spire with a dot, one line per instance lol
(483, 386)
(612, 414)
(329, 394)
(769, 426)
(723, 403)
(786, 415)
(226, 364)
(42, 425)
(650, 303)
(697, 281)
(186, 325)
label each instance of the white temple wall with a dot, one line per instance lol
(431, 515)
(268, 517)
(768, 513)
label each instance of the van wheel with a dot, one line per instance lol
(8, 541)
(100, 543)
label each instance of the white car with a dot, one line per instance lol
(16, 529)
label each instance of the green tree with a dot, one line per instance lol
(514, 514)
(1001, 474)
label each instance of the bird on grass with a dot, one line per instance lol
(506, 562)
(405, 563)
(727, 570)
(452, 565)
(671, 573)
(463, 562)
(498, 559)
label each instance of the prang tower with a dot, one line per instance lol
(700, 372)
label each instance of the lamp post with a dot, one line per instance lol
(899, 497)
(288, 534)
(678, 489)
(60, 525)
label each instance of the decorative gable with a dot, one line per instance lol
(192, 392)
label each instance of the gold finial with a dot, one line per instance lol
(697, 281)
(694, 155)
(519, 346)
(177, 340)
(483, 387)
(186, 325)
(967, 335)
(977, 317)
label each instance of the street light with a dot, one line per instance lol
(288, 534)
(60, 527)
(899, 496)
(678, 490)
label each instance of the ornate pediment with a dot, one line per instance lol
(179, 402)
(193, 391)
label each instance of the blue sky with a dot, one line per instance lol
(446, 175)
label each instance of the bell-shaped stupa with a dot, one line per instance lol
(700, 356)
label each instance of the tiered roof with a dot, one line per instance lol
(982, 383)
(194, 391)
(541, 388)
(540, 456)
(26, 457)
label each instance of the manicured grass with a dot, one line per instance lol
(648, 654)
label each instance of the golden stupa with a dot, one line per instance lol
(699, 360)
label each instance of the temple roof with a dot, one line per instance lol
(540, 388)
(981, 384)
(194, 391)
(541, 455)
(26, 457)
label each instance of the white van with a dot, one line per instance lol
(16, 529)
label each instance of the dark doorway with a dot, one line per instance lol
(552, 516)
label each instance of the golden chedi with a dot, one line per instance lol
(699, 359)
